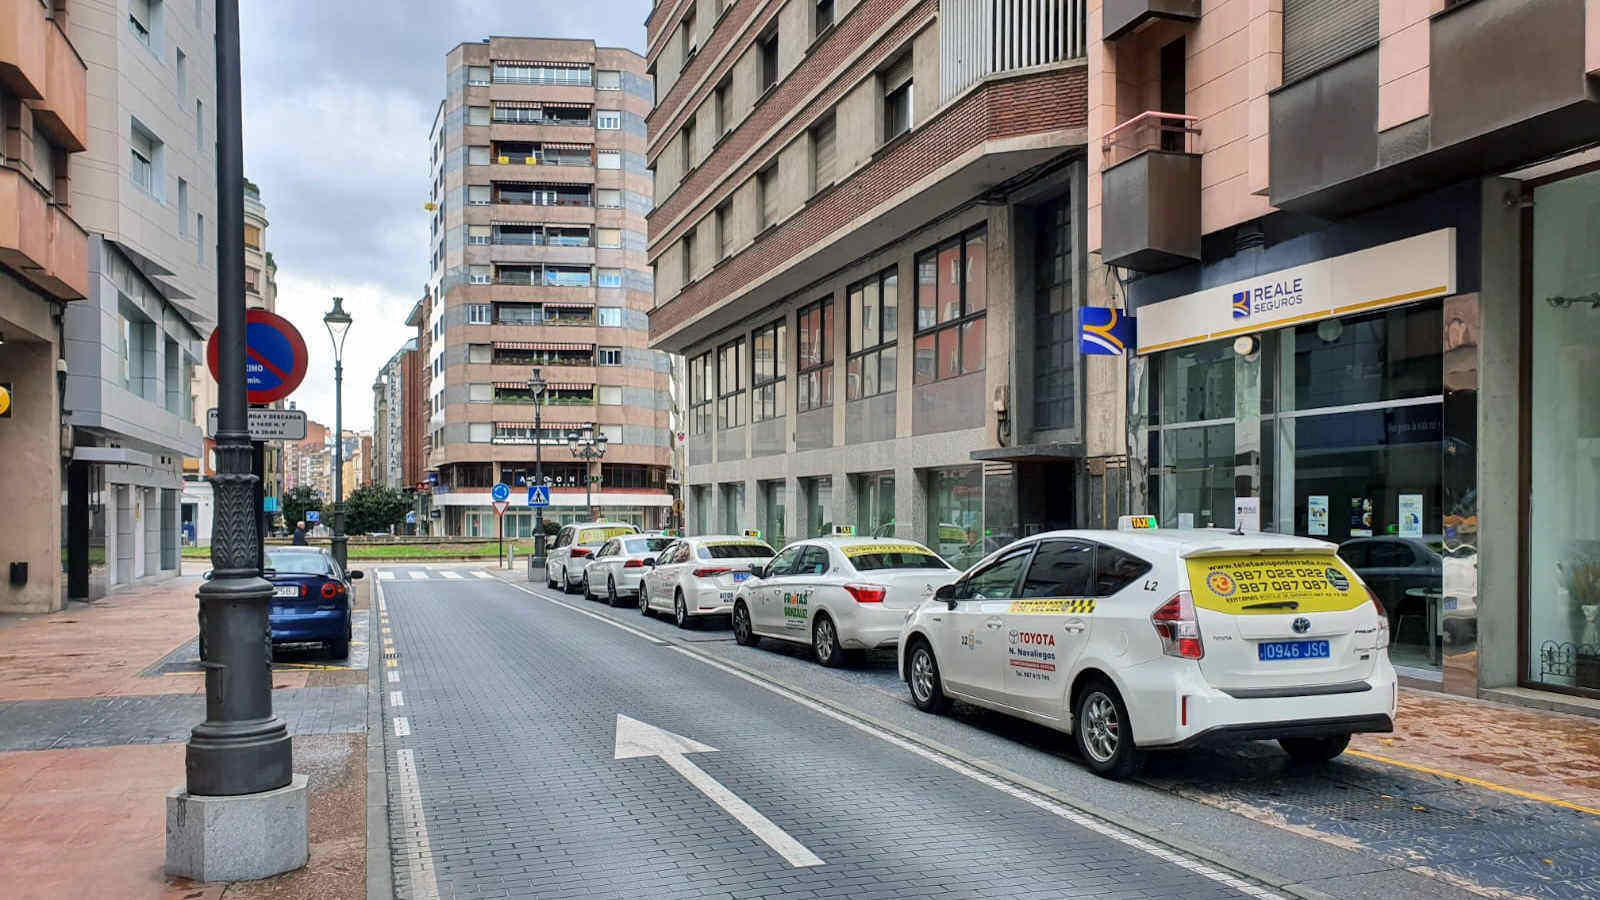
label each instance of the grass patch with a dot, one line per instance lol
(417, 552)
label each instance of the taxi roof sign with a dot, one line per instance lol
(844, 529)
(753, 533)
(1136, 523)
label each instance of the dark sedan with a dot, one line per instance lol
(310, 599)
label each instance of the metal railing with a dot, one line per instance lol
(1151, 130)
(978, 38)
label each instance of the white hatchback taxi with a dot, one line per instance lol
(1142, 639)
(838, 594)
(616, 569)
(696, 577)
(575, 545)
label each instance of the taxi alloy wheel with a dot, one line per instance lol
(644, 599)
(825, 642)
(680, 612)
(611, 591)
(927, 691)
(743, 632)
(1103, 734)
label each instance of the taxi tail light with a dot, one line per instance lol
(867, 593)
(581, 551)
(331, 589)
(633, 564)
(1383, 618)
(1179, 630)
(711, 572)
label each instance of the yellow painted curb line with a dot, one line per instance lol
(1478, 782)
(391, 664)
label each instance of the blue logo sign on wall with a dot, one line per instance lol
(1241, 304)
(500, 493)
(1104, 331)
(538, 495)
(274, 357)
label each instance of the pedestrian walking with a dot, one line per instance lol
(300, 533)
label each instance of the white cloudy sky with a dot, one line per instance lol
(338, 98)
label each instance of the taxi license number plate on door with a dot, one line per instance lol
(1275, 650)
(286, 591)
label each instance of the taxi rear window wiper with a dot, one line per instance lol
(1274, 604)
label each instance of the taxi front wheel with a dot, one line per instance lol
(1314, 750)
(927, 690)
(1103, 733)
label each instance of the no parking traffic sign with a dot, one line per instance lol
(275, 357)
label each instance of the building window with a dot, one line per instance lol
(548, 73)
(479, 234)
(609, 316)
(769, 349)
(200, 238)
(824, 17)
(730, 384)
(609, 356)
(608, 396)
(1317, 34)
(479, 274)
(817, 497)
(767, 196)
(814, 361)
(822, 153)
(955, 515)
(478, 76)
(767, 46)
(480, 393)
(480, 313)
(477, 156)
(141, 19)
(700, 394)
(480, 432)
(724, 106)
(724, 224)
(477, 195)
(608, 159)
(951, 301)
(686, 35)
(607, 80)
(772, 498)
(479, 354)
(608, 278)
(608, 238)
(183, 73)
(1054, 335)
(144, 148)
(183, 208)
(608, 198)
(608, 120)
(477, 115)
(896, 81)
(252, 235)
(686, 144)
(688, 256)
(873, 322)
(252, 279)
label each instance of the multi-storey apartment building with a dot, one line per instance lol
(1360, 240)
(538, 262)
(868, 241)
(147, 196)
(44, 128)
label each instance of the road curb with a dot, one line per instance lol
(380, 873)
(1143, 830)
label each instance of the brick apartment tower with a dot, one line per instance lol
(538, 261)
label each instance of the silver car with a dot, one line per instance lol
(616, 569)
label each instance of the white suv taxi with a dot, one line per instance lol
(567, 563)
(1142, 639)
(838, 594)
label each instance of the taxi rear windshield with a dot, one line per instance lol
(648, 545)
(601, 535)
(895, 559)
(734, 551)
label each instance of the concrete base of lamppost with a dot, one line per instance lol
(240, 838)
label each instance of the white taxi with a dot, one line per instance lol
(696, 577)
(1137, 640)
(838, 594)
(575, 545)
(616, 569)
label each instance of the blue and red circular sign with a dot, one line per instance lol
(274, 357)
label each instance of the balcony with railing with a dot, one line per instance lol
(979, 38)
(541, 153)
(1150, 192)
(574, 314)
(522, 193)
(545, 276)
(541, 353)
(513, 112)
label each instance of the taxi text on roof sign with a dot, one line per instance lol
(1255, 585)
(844, 529)
(1136, 523)
(864, 549)
(752, 533)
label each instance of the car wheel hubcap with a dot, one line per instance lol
(741, 623)
(922, 675)
(644, 600)
(824, 639)
(1101, 730)
(682, 613)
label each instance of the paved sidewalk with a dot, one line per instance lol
(95, 704)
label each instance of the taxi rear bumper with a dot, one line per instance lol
(1298, 728)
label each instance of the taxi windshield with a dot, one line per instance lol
(735, 551)
(873, 559)
(648, 545)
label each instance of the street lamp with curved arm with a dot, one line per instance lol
(338, 323)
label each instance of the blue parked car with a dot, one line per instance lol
(310, 599)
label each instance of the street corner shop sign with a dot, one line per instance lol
(275, 357)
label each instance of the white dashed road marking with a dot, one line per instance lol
(414, 829)
(386, 574)
(394, 677)
(418, 574)
(453, 575)
(482, 575)
(396, 699)
(402, 726)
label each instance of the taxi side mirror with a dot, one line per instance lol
(650, 562)
(759, 570)
(947, 593)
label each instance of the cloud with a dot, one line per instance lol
(338, 99)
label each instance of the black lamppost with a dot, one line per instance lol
(588, 447)
(338, 322)
(536, 384)
(241, 747)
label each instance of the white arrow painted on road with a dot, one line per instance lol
(636, 739)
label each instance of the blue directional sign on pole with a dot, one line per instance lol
(500, 493)
(538, 495)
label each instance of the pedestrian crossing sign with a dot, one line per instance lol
(538, 495)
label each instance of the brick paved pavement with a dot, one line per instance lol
(512, 708)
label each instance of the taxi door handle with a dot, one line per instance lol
(994, 622)
(1074, 626)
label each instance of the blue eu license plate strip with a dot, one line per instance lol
(740, 576)
(1271, 651)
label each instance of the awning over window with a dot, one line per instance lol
(512, 385)
(519, 104)
(554, 145)
(550, 104)
(569, 386)
(582, 307)
(543, 65)
(550, 345)
(547, 426)
(515, 345)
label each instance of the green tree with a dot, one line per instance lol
(374, 508)
(296, 501)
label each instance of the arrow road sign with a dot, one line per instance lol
(538, 495)
(636, 739)
(500, 492)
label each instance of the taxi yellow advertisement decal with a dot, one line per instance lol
(1080, 607)
(864, 549)
(1257, 585)
(597, 535)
